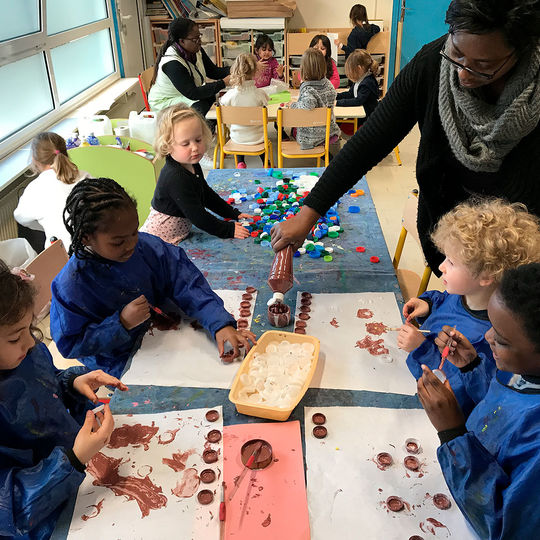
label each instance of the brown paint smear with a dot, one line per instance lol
(105, 471)
(374, 347)
(134, 435)
(334, 323)
(376, 328)
(98, 508)
(267, 521)
(188, 486)
(177, 462)
(364, 314)
(168, 436)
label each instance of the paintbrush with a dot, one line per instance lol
(248, 464)
(398, 328)
(446, 351)
(222, 511)
(160, 312)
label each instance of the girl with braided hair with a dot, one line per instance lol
(47, 431)
(101, 299)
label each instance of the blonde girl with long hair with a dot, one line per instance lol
(182, 196)
(41, 205)
(245, 94)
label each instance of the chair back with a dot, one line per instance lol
(45, 267)
(304, 117)
(243, 116)
(145, 80)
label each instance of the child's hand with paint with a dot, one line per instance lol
(409, 337)
(88, 383)
(439, 402)
(460, 351)
(135, 313)
(235, 338)
(414, 308)
(92, 437)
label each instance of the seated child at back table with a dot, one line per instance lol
(315, 91)
(47, 432)
(322, 43)
(101, 299)
(480, 239)
(269, 67)
(182, 195)
(491, 461)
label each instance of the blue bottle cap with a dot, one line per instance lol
(354, 209)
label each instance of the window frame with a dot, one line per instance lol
(22, 47)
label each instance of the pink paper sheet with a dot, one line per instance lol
(276, 496)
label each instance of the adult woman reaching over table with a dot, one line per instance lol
(475, 94)
(182, 67)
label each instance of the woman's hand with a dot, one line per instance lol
(338, 44)
(461, 352)
(135, 313)
(409, 338)
(240, 232)
(439, 402)
(414, 308)
(293, 231)
(245, 216)
(236, 338)
(92, 437)
(88, 383)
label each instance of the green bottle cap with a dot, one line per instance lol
(333, 234)
(328, 258)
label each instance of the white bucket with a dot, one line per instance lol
(142, 126)
(98, 124)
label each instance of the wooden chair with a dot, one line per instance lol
(45, 268)
(410, 283)
(243, 116)
(289, 118)
(145, 79)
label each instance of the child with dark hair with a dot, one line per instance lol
(47, 432)
(101, 299)
(269, 67)
(491, 462)
(362, 30)
(322, 43)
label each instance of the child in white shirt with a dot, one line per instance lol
(245, 94)
(41, 206)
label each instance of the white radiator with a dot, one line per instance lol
(8, 225)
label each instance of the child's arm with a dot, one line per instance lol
(305, 101)
(277, 69)
(334, 79)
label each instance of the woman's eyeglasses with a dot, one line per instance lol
(197, 39)
(487, 76)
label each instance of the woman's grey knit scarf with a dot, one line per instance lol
(482, 134)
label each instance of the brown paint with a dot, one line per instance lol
(242, 323)
(247, 296)
(251, 290)
(245, 312)
(301, 324)
(245, 304)
(364, 313)
(306, 295)
(411, 463)
(318, 418)
(279, 314)
(305, 309)
(132, 434)
(97, 507)
(105, 471)
(262, 459)
(376, 328)
(210, 456)
(384, 459)
(299, 331)
(267, 521)
(441, 501)
(212, 415)
(177, 462)
(412, 446)
(320, 432)
(188, 486)
(304, 316)
(227, 357)
(334, 323)
(205, 496)
(374, 347)
(196, 325)
(214, 436)
(395, 504)
(207, 476)
(168, 436)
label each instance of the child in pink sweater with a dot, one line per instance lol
(269, 67)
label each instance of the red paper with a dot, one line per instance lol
(276, 496)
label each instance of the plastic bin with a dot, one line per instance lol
(232, 51)
(207, 34)
(236, 36)
(264, 411)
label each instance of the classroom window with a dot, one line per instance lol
(54, 54)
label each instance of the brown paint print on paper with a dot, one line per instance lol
(376, 328)
(97, 507)
(177, 462)
(188, 486)
(334, 323)
(105, 471)
(374, 347)
(364, 313)
(168, 436)
(136, 435)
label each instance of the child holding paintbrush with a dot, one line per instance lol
(480, 239)
(491, 461)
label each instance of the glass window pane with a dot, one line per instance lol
(18, 18)
(25, 94)
(66, 14)
(81, 63)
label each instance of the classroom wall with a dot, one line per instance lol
(335, 13)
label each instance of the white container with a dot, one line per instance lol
(98, 124)
(142, 126)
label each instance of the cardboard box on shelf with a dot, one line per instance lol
(238, 9)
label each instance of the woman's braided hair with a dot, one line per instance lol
(87, 206)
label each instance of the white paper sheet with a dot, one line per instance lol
(342, 364)
(347, 491)
(180, 517)
(186, 357)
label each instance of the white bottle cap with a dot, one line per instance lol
(278, 297)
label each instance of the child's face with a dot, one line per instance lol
(188, 145)
(457, 277)
(116, 240)
(265, 52)
(320, 47)
(15, 342)
(512, 350)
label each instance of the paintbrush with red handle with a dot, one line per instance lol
(161, 312)
(446, 351)
(248, 464)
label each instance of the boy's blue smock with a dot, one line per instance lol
(493, 470)
(36, 430)
(89, 294)
(449, 309)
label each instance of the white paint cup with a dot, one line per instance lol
(121, 131)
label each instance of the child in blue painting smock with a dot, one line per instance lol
(491, 462)
(480, 239)
(47, 433)
(101, 299)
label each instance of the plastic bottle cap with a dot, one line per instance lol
(360, 249)
(310, 247)
(333, 234)
(301, 250)
(330, 249)
(265, 243)
(277, 297)
(314, 254)
(374, 259)
(354, 209)
(328, 258)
